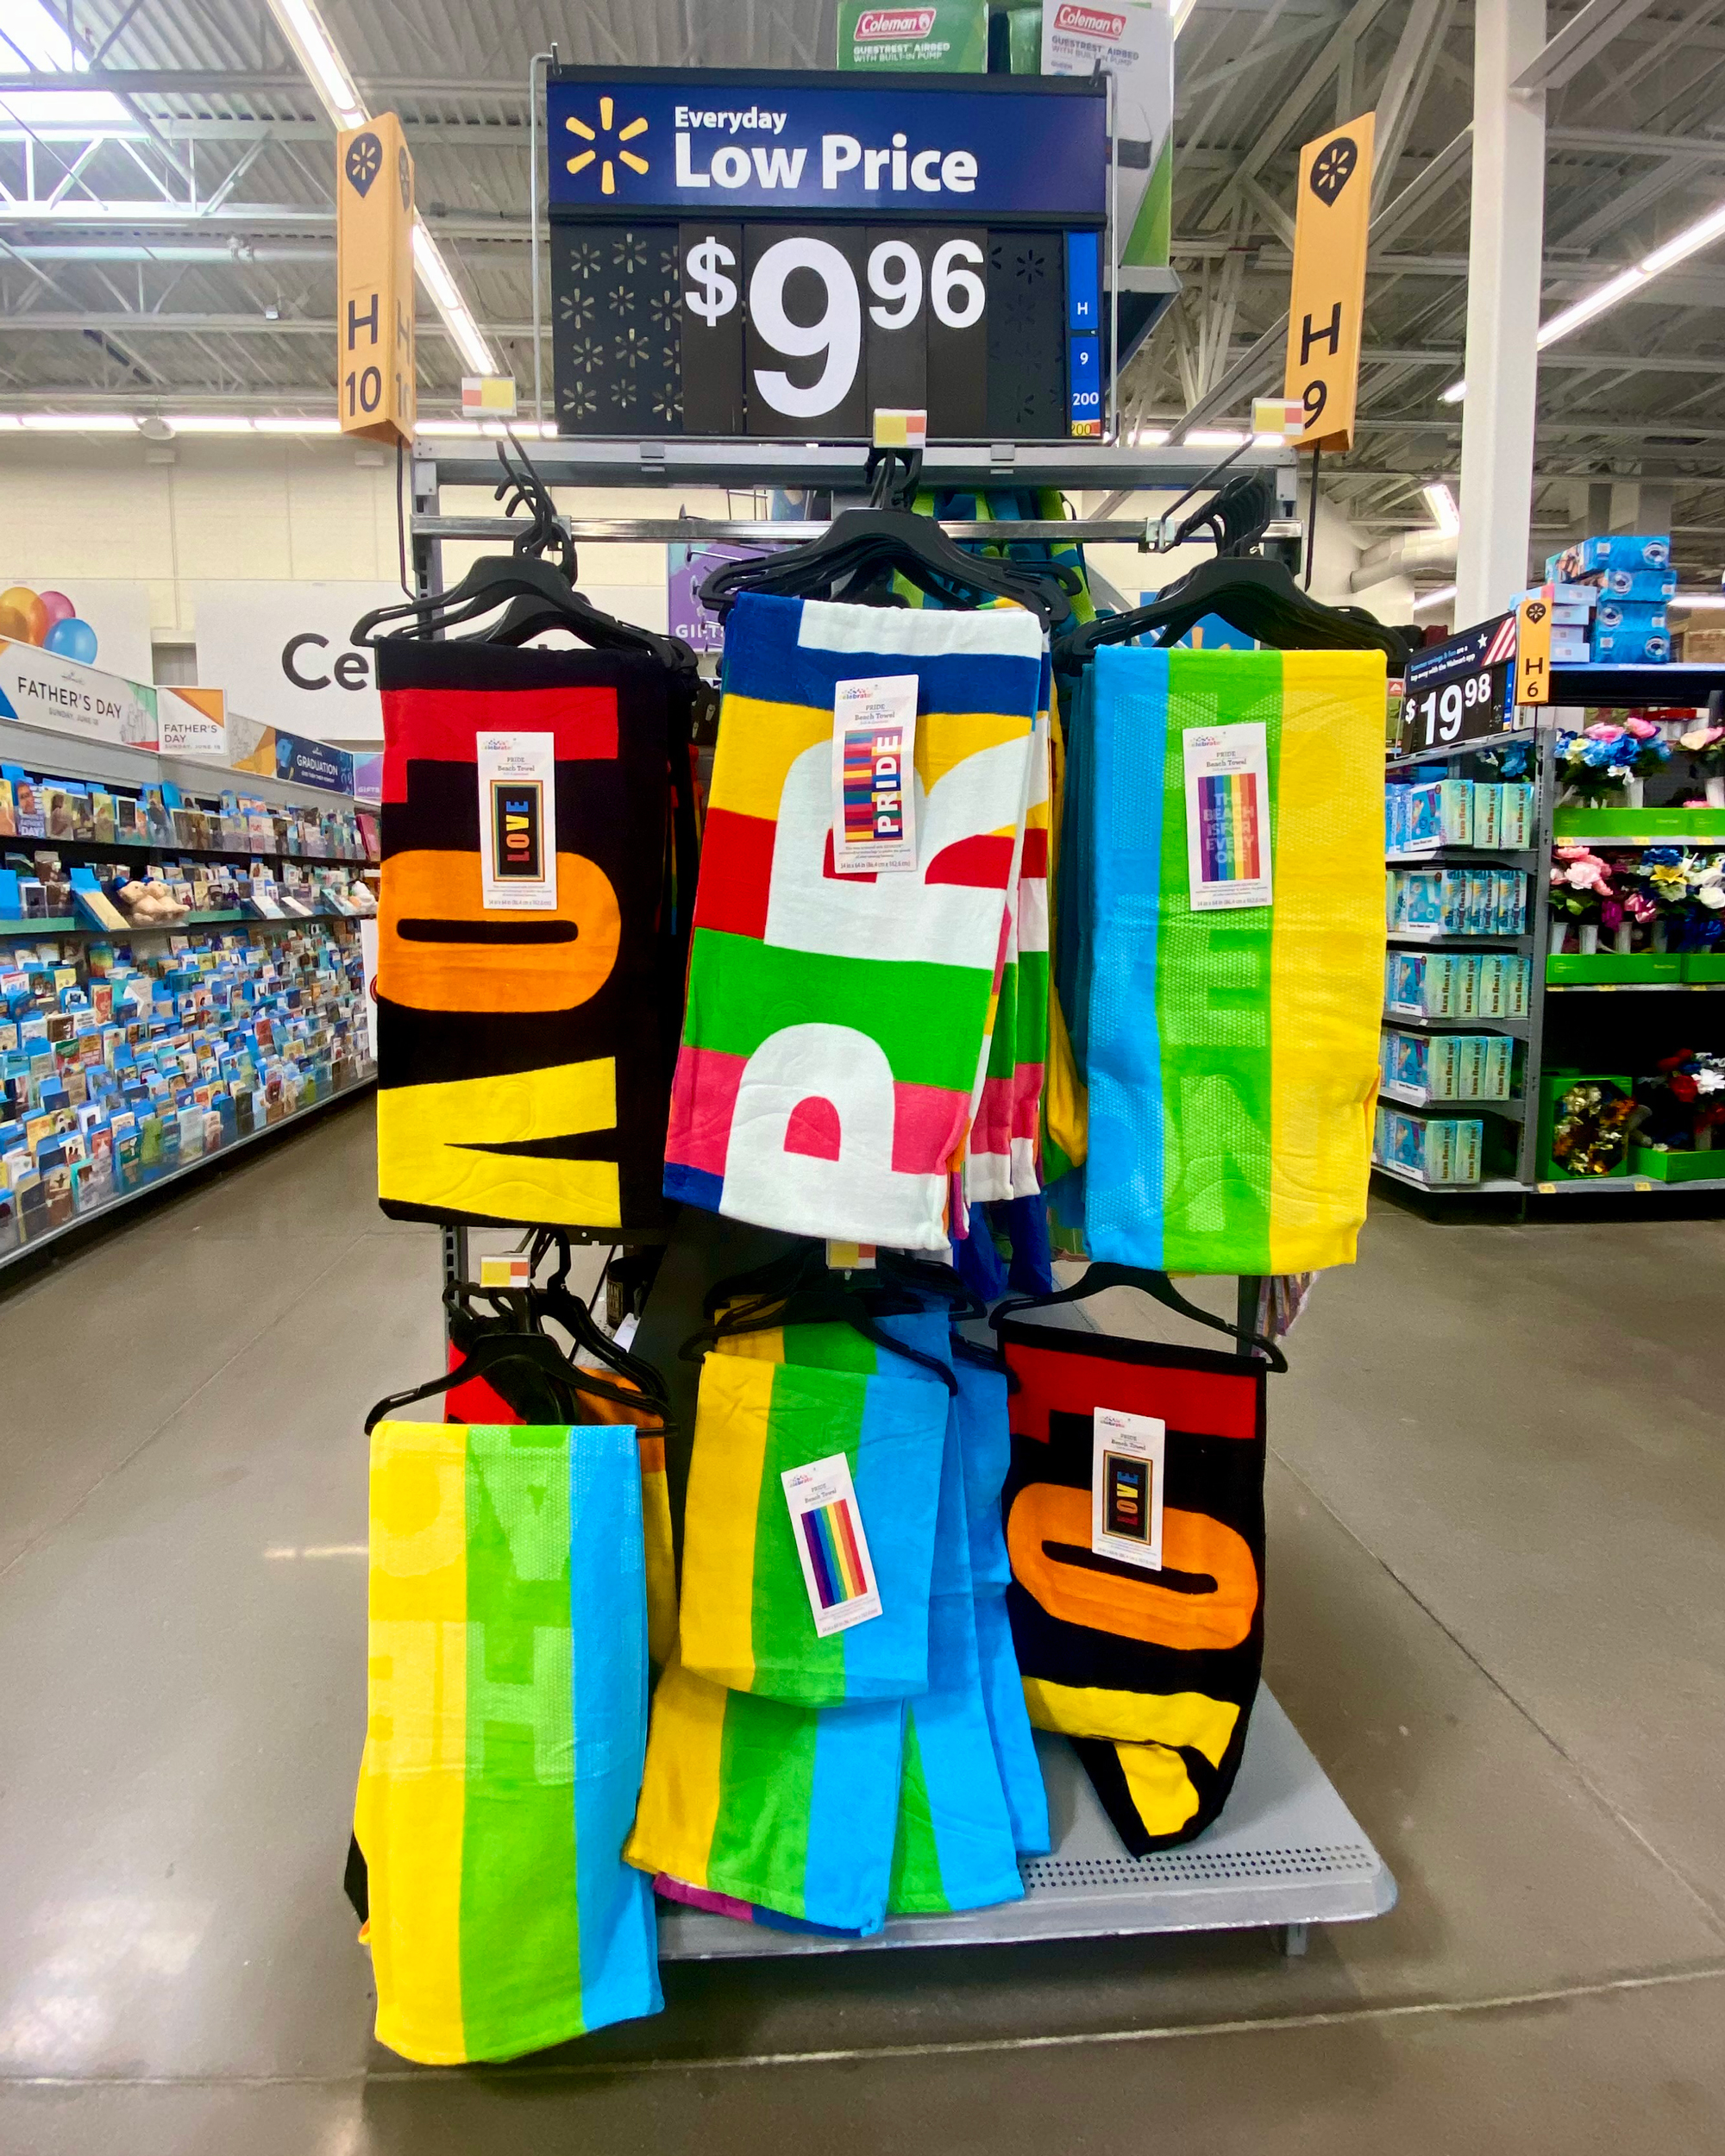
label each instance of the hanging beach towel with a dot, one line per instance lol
(530, 954)
(1158, 1666)
(1229, 1049)
(747, 1620)
(985, 1452)
(505, 1729)
(954, 1847)
(833, 1037)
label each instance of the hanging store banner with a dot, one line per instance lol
(374, 298)
(283, 653)
(39, 688)
(780, 254)
(1327, 305)
(192, 722)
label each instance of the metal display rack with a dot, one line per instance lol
(1573, 688)
(1286, 1854)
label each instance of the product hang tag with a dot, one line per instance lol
(1126, 1486)
(874, 788)
(518, 822)
(1227, 815)
(831, 1547)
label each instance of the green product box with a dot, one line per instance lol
(1678, 1167)
(1553, 1085)
(947, 37)
(1703, 965)
(1606, 969)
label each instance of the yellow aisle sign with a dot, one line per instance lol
(1533, 647)
(375, 281)
(1328, 303)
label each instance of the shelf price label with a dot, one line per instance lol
(1459, 690)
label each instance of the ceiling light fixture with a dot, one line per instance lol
(1217, 438)
(1696, 598)
(78, 422)
(1677, 248)
(304, 28)
(1440, 598)
(297, 426)
(1442, 504)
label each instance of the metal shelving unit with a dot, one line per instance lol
(1572, 688)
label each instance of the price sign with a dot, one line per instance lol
(1459, 690)
(747, 316)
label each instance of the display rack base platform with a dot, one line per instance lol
(1285, 1854)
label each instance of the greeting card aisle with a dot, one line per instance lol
(182, 971)
(1505, 1069)
(1285, 1852)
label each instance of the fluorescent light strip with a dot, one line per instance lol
(1440, 598)
(77, 422)
(312, 42)
(304, 30)
(1693, 237)
(1442, 504)
(447, 299)
(1216, 438)
(1695, 599)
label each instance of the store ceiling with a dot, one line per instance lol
(211, 282)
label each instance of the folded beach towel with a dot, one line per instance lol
(832, 1044)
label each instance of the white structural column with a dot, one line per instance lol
(1504, 250)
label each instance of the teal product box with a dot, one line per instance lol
(1425, 815)
(1642, 587)
(1618, 550)
(1515, 813)
(1629, 647)
(1465, 983)
(1455, 812)
(1488, 809)
(1422, 983)
(1623, 613)
(1497, 1054)
(1492, 995)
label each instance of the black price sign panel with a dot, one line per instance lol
(781, 255)
(1459, 690)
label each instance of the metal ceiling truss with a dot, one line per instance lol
(187, 260)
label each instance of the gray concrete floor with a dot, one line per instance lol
(1496, 1612)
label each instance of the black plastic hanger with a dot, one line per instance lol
(828, 1303)
(531, 1350)
(1161, 1289)
(928, 1276)
(861, 542)
(1256, 596)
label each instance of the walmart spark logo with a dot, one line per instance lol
(607, 171)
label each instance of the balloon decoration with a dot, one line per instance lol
(49, 619)
(72, 638)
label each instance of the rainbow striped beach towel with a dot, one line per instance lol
(834, 1038)
(506, 1733)
(745, 1620)
(1230, 1053)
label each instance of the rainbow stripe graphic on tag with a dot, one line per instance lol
(874, 787)
(840, 1573)
(1229, 828)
